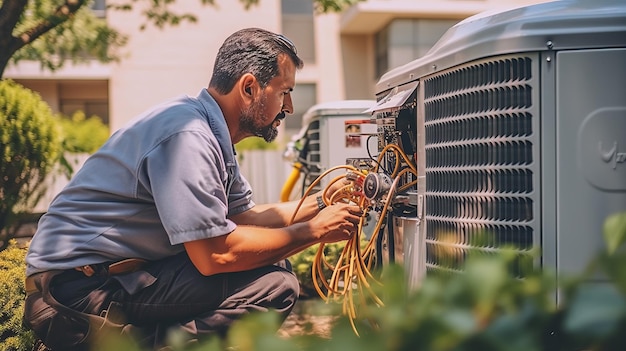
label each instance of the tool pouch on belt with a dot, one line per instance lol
(58, 326)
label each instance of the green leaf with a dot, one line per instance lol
(459, 320)
(615, 231)
(595, 311)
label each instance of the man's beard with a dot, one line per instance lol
(250, 121)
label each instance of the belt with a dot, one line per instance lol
(120, 267)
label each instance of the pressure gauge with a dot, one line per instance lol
(376, 185)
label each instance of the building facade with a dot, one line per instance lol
(344, 53)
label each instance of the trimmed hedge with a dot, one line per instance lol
(12, 293)
(30, 145)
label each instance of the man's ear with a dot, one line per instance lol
(248, 83)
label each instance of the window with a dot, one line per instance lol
(69, 96)
(405, 40)
(381, 48)
(99, 8)
(90, 107)
(304, 96)
(91, 97)
(298, 26)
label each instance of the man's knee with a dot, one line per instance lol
(283, 289)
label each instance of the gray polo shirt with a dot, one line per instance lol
(169, 177)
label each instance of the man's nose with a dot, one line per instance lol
(287, 104)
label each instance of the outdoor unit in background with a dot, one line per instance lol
(520, 134)
(333, 134)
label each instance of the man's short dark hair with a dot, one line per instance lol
(251, 50)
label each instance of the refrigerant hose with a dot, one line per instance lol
(352, 271)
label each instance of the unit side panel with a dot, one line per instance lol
(591, 150)
(344, 137)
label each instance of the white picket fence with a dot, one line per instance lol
(265, 170)
(55, 181)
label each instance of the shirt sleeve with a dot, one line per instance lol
(187, 178)
(240, 194)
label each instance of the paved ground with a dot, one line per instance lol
(307, 318)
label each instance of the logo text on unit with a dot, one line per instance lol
(612, 156)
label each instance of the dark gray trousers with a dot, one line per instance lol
(170, 294)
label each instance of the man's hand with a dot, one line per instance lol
(348, 186)
(336, 222)
(348, 189)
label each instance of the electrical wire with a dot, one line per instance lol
(398, 153)
(351, 276)
(369, 154)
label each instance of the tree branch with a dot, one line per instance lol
(10, 12)
(62, 13)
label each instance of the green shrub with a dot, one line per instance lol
(302, 264)
(12, 274)
(30, 145)
(255, 143)
(82, 134)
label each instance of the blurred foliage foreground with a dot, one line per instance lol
(482, 309)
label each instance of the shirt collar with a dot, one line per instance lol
(218, 125)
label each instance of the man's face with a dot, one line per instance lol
(264, 115)
(251, 121)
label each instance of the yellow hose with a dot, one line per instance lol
(285, 192)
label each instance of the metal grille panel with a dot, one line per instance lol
(480, 161)
(313, 157)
